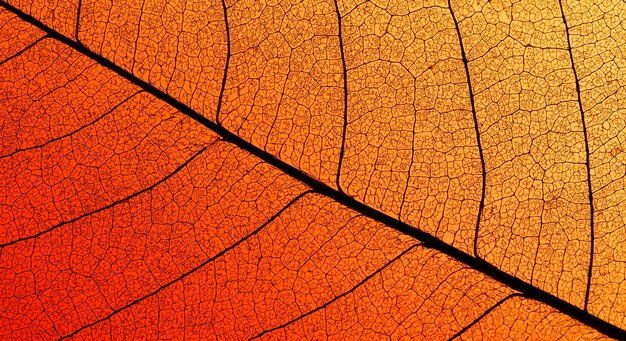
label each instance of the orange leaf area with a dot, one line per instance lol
(312, 169)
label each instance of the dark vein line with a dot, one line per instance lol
(345, 98)
(26, 48)
(428, 240)
(74, 131)
(225, 76)
(80, 4)
(191, 271)
(481, 206)
(278, 108)
(334, 299)
(134, 61)
(115, 203)
(539, 234)
(410, 170)
(106, 26)
(582, 116)
(182, 30)
(485, 313)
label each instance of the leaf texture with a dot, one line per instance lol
(312, 169)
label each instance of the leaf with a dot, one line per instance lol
(245, 169)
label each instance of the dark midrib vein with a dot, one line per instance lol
(428, 240)
(485, 313)
(582, 116)
(225, 76)
(338, 297)
(481, 206)
(191, 271)
(345, 98)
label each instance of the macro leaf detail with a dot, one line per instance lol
(311, 169)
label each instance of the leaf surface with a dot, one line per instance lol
(316, 169)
